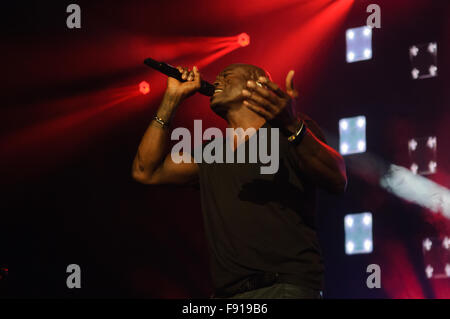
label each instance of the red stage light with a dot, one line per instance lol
(144, 87)
(243, 39)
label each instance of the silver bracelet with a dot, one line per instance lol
(161, 122)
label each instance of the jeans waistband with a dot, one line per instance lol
(253, 282)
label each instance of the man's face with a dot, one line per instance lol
(229, 85)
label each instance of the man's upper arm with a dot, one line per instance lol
(170, 172)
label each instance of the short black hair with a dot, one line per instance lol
(253, 71)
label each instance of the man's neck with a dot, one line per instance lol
(244, 118)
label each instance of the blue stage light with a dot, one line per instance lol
(352, 135)
(359, 44)
(358, 233)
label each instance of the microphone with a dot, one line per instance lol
(205, 89)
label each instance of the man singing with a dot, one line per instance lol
(260, 228)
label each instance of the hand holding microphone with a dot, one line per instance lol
(182, 75)
(189, 84)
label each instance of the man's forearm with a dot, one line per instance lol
(153, 147)
(322, 164)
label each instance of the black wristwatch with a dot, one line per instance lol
(300, 131)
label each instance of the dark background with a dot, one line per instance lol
(72, 118)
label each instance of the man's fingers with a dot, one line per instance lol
(259, 100)
(181, 70)
(274, 87)
(259, 110)
(194, 79)
(197, 77)
(291, 91)
(262, 91)
(189, 75)
(190, 80)
(185, 74)
(290, 81)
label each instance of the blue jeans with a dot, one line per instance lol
(280, 291)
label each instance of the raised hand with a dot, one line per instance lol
(184, 89)
(270, 101)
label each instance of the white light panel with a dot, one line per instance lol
(358, 233)
(359, 44)
(352, 135)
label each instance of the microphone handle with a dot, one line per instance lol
(167, 69)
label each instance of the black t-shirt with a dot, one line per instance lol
(257, 223)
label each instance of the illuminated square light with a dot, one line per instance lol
(352, 135)
(436, 256)
(422, 154)
(359, 44)
(423, 59)
(358, 233)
